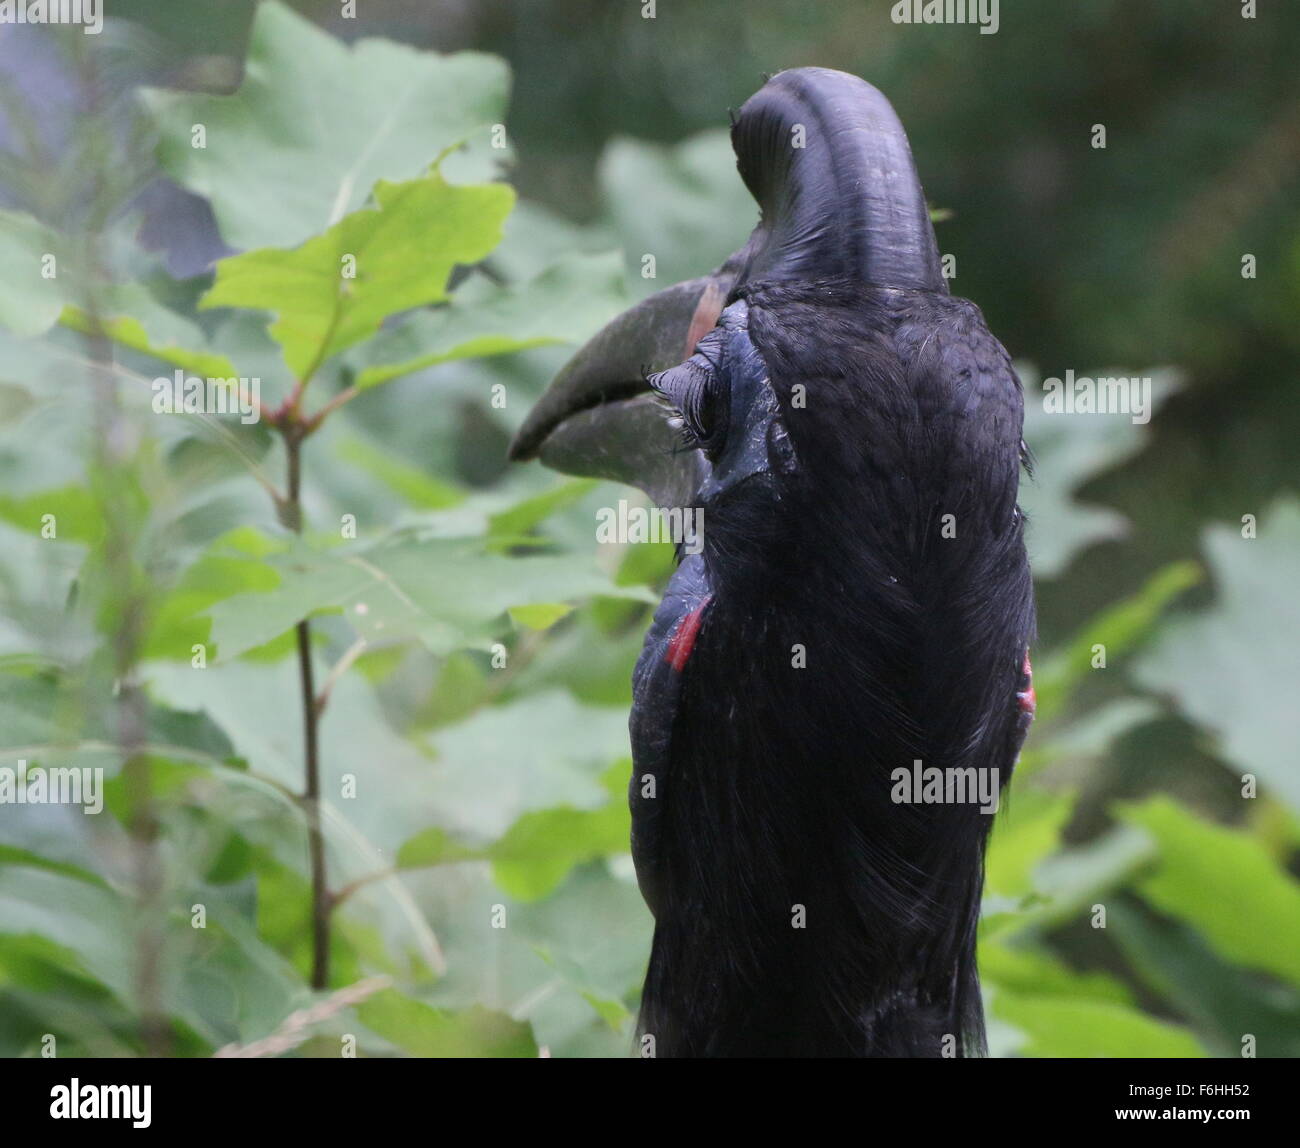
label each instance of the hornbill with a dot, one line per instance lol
(858, 611)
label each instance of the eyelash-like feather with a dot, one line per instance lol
(686, 439)
(694, 390)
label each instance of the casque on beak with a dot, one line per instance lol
(828, 163)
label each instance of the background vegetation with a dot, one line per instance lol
(469, 644)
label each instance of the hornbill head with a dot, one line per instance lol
(828, 162)
(859, 613)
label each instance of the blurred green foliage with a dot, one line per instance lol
(475, 641)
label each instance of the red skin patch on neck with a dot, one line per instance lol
(1026, 697)
(682, 642)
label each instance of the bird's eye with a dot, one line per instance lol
(697, 393)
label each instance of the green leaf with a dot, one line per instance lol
(1071, 449)
(234, 984)
(1233, 668)
(1119, 628)
(539, 752)
(1035, 972)
(422, 1030)
(536, 237)
(1067, 883)
(540, 849)
(404, 251)
(539, 615)
(175, 340)
(41, 995)
(549, 966)
(256, 705)
(520, 518)
(594, 664)
(1059, 1027)
(565, 304)
(448, 593)
(76, 510)
(684, 204)
(537, 853)
(315, 124)
(233, 564)
(88, 922)
(648, 563)
(1090, 736)
(1026, 832)
(1225, 884)
(461, 687)
(29, 302)
(1223, 1001)
(415, 486)
(434, 847)
(613, 1012)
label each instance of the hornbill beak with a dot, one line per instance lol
(598, 417)
(828, 162)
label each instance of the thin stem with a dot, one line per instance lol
(337, 401)
(339, 668)
(297, 1027)
(291, 509)
(365, 879)
(111, 479)
(320, 896)
(389, 871)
